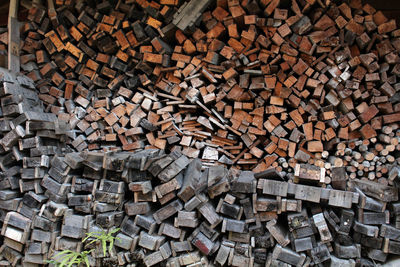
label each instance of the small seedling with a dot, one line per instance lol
(104, 237)
(68, 258)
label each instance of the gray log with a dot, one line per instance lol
(378, 191)
(173, 169)
(303, 244)
(192, 180)
(367, 230)
(208, 212)
(347, 252)
(288, 256)
(167, 211)
(278, 232)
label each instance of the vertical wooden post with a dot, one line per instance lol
(13, 37)
(51, 11)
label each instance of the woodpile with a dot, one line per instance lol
(173, 210)
(213, 133)
(244, 83)
(30, 138)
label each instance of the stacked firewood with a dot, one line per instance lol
(310, 90)
(172, 210)
(248, 83)
(29, 138)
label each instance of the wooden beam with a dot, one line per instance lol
(13, 37)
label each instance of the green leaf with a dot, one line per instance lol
(86, 261)
(64, 252)
(69, 258)
(94, 240)
(111, 246)
(92, 234)
(66, 259)
(79, 260)
(114, 230)
(104, 244)
(72, 261)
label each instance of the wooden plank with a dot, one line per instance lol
(13, 37)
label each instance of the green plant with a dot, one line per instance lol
(68, 258)
(104, 238)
